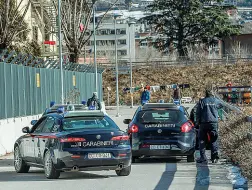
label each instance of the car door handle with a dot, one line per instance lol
(43, 140)
(32, 140)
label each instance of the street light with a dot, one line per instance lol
(95, 64)
(60, 51)
(116, 63)
(131, 88)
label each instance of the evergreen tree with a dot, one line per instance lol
(186, 22)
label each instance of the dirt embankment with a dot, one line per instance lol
(197, 76)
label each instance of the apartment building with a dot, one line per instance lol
(106, 37)
(41, 20)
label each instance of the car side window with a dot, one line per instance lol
(48, 125)
(39, 125)
(137, 111)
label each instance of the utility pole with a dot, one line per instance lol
(60, 51)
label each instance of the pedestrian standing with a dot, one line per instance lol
(207, 115)
(145, 96)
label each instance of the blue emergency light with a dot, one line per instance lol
(83, 102)
(177, 102)
(52, 103)
(92, 108)
(61, 110)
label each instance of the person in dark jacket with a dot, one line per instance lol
(94, 102)
(207, 118)
(145, 96)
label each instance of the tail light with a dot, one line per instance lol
(120, 138)
(186, 127)
(72, 139)
(133, 128)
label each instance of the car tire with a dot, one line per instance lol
(191, 158)
(19, 163)
(124, 172)
(133, 159)
(50, 170)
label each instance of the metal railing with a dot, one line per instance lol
(166, 62)
(14, 57)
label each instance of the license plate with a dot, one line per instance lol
(98, 155)
(160, 147)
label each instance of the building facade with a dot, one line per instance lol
(106, 37)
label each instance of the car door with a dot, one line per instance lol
(43, 137)
(29, 142)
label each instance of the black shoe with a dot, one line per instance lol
(215, 158)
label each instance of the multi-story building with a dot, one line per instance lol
(106, 37)
(41, 20)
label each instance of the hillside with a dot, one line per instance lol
(197, 76)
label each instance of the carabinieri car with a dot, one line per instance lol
(73, 141)
(161, 129)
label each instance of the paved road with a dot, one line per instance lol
(147, 174)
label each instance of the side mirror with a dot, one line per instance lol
(33, 122)
(26, 130)
(127, 121)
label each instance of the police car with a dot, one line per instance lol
(161, 129)
(73, 141)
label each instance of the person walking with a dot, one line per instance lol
(207, 118)
(145, 96)
(94, 102)
(176, 95)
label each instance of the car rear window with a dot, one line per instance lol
(161, 116)
(76, 123)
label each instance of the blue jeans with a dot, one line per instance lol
(212, 130)
(144, 102)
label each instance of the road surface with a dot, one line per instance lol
(147, 174)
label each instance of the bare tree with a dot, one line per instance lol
(12, 25)
(238, 51)
(76, 17)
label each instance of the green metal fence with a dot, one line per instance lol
(28, 90)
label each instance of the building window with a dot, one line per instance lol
(120, 31)
(122, 52)
(35, 33)
(121, 42)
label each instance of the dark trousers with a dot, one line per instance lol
(212, 130)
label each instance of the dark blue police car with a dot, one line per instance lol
(73, 141)
(161, 129)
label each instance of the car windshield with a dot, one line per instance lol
(76, 123)
(161, 116)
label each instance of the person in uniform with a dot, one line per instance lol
(94, 102)
(207, 118)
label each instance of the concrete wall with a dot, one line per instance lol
(10, 130)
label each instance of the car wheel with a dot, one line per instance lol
(191, 158)
(124, 172)
(133, 159)
(50, 170)
(19, 163)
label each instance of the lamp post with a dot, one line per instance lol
(131, 88)
(95, 64)
(116, 64)
(60, 51)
